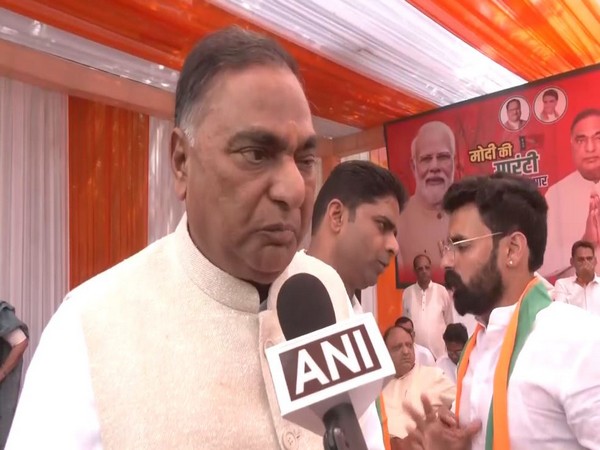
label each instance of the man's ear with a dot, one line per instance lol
(517, 250)
(335, 215)
(180, 154)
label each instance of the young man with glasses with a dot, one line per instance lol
(524, 384)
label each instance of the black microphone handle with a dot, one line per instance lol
(342, 430)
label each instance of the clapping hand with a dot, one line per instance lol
(438, 429)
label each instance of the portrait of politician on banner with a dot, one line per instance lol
(548, 131)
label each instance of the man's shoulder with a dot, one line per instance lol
(150, 264)
(567, 323)
(566, 281)
(304, 263)
(562, 186)
(430, 373)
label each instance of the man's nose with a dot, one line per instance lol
(391, 245)
(448, 260)
(288, 187)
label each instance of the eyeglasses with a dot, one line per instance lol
(449, 247)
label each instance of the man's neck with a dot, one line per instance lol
(399, 377)
(424, 285)
(583, 280)
(511, 294)
(323, 253)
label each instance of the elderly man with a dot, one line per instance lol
(509, 383)
(429, 306)
(423, 355)
(411, 381)
(574, 201)
(13, 343)
(162, 350)
(423, 222)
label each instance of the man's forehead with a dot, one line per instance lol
(589, 124)
(466, 221)
(422, 261)
(385, 206)
(583, 252)
(432, 142)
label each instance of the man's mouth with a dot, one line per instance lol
(435, 181)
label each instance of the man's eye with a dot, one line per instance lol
(255, 155)
(307, 162)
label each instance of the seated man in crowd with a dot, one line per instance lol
(422, 354)
(455, 338)
(410, 382)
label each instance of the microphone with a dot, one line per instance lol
(326, 374)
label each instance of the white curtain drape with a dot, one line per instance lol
(33, 203)
(164, 209)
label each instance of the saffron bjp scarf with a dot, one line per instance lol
(384, 422)
(533, 299)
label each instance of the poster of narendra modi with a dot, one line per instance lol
(548, 131)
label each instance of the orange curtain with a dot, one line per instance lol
(534, 39)
(108, 186)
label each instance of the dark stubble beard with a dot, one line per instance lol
(484, 292)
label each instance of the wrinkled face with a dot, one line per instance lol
(549, 104)
(583, 260)
(402, 350)
(433, 167)
(513, 109)
(454, 350)
(248, 174)
(585, 144)
(423, 270)
(368, 241)
(472, 268)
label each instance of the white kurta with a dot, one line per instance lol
(448, 367)
(430, 310)
(160, 351)
(420, 380)
(588, 297)
(568, 206)
(423, 356)
(554, 390)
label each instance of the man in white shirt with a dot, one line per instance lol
(410, 382)
(354, 233)
(545, 385)
(582, 289)
(422, 354)
(455, 338)
(163, 350)
(574, 201)
(428, 305)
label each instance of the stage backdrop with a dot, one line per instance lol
(548, 131)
